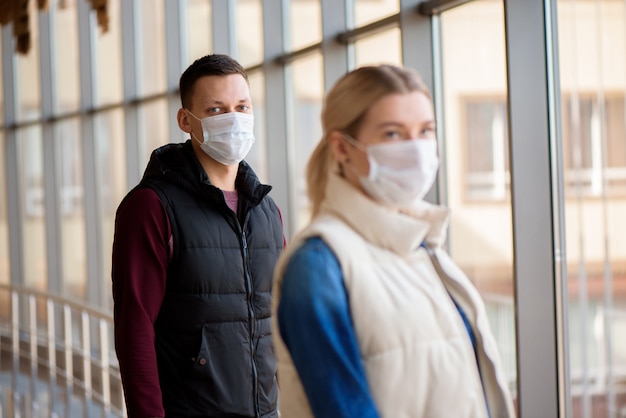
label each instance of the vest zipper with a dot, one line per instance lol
(249, 290)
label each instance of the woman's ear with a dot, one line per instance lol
(184, 122)
(338, 147)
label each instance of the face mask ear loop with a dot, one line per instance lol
(354, 142)
(192, 134)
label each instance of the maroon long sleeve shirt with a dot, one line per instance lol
(141, 251)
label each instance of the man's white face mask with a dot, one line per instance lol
(400, 172)
(227, 137)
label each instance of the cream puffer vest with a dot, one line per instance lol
(417, 354)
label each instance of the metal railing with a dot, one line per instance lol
(57, 358)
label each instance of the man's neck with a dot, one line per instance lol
(221, 176)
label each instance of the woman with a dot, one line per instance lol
(375, 319)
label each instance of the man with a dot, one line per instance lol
(193, 255)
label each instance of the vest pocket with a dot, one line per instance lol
(221, 370)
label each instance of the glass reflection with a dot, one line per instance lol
(27, 75)
(257, 157)
(111, 173)
(592, 48)
(154, 120)
(474, 97)
(108, 71)
(152, 47)
(306, 102)
(368, 11)
(198, 27)
(66, 57)
(249, 32)
(68, 155)
(380, 48)
(306, 23)
(30, 172)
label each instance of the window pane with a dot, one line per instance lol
(27, 77)
(381, 48)
(592, 62)
(257, 157)
(153, 128)
(306, 103)
(306, 23)
(111, 173)
(367, 11)
(66, 56)
(109, 58)
(152, 47)
(68, 156)
(30, 172)
(198, 29)
(250, 34)
(475, 92)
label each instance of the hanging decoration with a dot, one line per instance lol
(17, 12)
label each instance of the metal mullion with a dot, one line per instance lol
(223, 16)
(176, 50)
(52, 187)
(91, 185)
(433, 7)
(276, 100)
(537, 339)
(13, 192)
(336, 56)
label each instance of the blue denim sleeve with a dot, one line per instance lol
(315, 324)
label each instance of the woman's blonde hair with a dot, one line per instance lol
(344, 109)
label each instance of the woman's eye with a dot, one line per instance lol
(244, 107)
(392, 135)
(215, 110)
(429, 131)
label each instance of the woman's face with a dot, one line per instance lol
(395, 117)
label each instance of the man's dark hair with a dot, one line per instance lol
(212, 64)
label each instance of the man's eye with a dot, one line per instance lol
(214, 110)
(244, 107)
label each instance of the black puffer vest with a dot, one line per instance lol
(213, 336)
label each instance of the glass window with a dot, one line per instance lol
(592, 63)
(109, 58)
(66, 57)
(68, 155)
(380, 48)
(111, 173)
(152, 47)
(368, 11)
(593, 126)
(306, 105)
(474, 98)
(154, 119)
(198, 29)
(249, 35)
(306, 23)
(30, 172)
(27, 76)
(486, 148)
(257, 157)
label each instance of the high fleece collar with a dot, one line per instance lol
(398, 231)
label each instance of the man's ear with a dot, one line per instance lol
(184, 122)
(338, 147)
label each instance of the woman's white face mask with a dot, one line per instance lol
(227, 137)
(400, 172)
